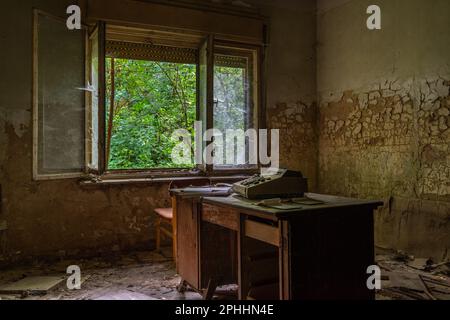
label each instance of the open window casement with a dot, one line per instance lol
(68, 99)
(58, 98)
(236, 105)
(228, 104)
(95, 101)
(205, 100)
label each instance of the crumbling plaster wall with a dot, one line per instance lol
(291, 82)
(384, 124)
(61, 218)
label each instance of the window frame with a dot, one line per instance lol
(224, 47)
(197, 170)
(157, 171)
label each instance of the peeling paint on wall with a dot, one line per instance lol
(392, 141)
(298, 139)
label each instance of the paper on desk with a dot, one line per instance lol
(203, 189)
(285, 206)
(306, 201)
(278, 203)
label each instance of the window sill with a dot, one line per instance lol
(107, 180)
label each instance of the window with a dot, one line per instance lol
(129, 89)
(152, 89)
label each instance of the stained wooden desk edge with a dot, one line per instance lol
(249, 206)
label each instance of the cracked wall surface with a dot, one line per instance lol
(393, 143)
(298, 137)
(291, 83)
(384, 128)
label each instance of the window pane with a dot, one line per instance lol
(151, 100)
(233, 107)
(60, 100)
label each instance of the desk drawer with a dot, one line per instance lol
(262, 232)
(224, 217)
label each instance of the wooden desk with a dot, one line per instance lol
(203, 250)
(317, 251)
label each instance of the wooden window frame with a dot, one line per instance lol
(138, 20)
(147, 172)
(199, 170)
(227, 47)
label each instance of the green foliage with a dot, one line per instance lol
(151, 100)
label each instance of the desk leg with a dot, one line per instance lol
(243, 281)
(240, 236)
(284, 261)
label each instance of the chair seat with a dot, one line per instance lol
(165, 213)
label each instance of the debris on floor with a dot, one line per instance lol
(408, 278)
(32, 285)
(152, 276)
(132, 276)
(125, 295)
(421, 264)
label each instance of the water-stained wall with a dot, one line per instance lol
(384, 124)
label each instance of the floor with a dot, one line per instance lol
(150, 276)
(405, 277)
(134, 276)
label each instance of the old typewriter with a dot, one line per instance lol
(274, 183)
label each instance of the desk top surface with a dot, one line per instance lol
(320, 202)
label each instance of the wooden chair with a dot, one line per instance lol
(165, 223)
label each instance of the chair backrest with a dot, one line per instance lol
(184, 183)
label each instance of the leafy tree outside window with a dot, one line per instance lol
(150, 100)
(147, 99)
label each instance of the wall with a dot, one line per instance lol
(55, 218)
(291, 82)
(384, 116)
(61, 218)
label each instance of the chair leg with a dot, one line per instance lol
(158, 233)
(174, 230)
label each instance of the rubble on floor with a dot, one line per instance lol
(34, 285)
(134, 276)
(152, 276)
(406, 277)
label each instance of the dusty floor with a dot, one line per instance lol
(405, 277)
(135, 276)
(149, 275)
